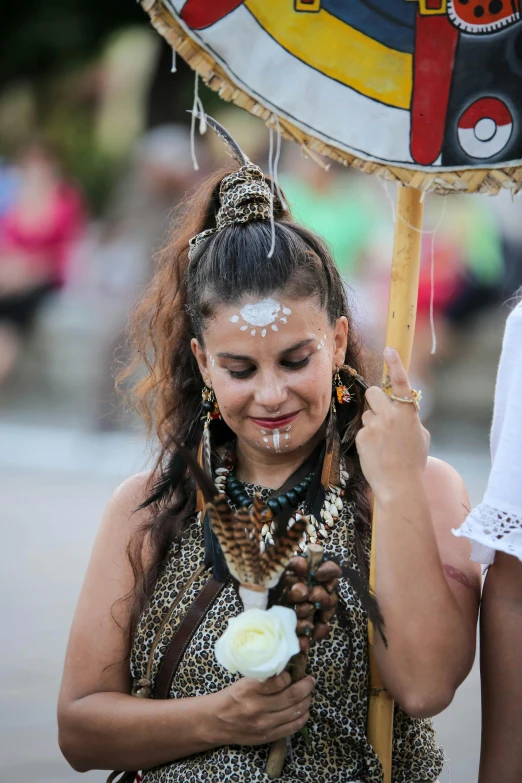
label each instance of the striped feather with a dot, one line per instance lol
(232, 146)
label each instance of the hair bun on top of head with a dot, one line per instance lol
(244, 195)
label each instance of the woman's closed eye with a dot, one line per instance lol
(295, 365)
(286, 363)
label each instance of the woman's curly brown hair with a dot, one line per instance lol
(176, 307)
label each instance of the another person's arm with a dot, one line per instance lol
(100, 725)
(501, 672)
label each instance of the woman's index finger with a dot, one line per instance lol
(398, 376)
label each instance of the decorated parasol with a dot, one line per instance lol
(423, 93)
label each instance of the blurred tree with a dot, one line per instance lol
(44, 39)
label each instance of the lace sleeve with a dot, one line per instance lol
(491, 529)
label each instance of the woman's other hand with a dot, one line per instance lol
(392, 444)
(254, 713)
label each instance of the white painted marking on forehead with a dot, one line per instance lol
(260, 313)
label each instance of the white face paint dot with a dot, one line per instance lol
(265, 440)
(235, 319)
(286, 310)
(263, 432)
(287, 429)
(286, 437)
(283, 320)
(263, 333)
(253, 332)
(244, 328)
(274, 328)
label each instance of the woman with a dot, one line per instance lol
(37, 235)
(495, 530)
(255, 314)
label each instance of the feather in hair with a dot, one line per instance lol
(232, 146)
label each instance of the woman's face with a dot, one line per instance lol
(270, 362)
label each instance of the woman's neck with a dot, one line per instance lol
(271, 470)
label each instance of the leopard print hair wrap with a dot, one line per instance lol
(244, 196)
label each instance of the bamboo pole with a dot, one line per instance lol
(402, 311)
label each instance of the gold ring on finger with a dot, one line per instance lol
(415, 399)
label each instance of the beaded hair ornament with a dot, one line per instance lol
(244, 195)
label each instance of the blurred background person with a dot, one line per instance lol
(134, 227)
(38, 229)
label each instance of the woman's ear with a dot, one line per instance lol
(201, 358)
(340, 340)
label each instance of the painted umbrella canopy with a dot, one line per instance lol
(425, 92)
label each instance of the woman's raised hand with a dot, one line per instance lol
(392, 444)
(254, 713)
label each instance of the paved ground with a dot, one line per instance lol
(54, 485)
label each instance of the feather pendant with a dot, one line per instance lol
(232, 146)
(239, 533)
(278, 555)
(330, 475)
(257, 514)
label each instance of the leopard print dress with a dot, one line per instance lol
(339, 751)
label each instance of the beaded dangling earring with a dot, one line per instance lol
(340, 391)
(210, 404)
(210, 412)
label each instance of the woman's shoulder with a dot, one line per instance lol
(442, 482)
(124, 513)
(133, 492)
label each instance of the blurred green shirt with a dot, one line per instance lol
(342, 216)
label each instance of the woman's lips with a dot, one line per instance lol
(275, 423)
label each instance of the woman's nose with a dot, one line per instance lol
(271, 393)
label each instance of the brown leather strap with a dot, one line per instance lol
(183, 635)
(178, 644)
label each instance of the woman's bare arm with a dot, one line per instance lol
(501, 672)
(100, 725)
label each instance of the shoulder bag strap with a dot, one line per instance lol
(180, 640)
(172, 658)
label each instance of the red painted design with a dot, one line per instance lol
(198, 14)
(435, 45)
(486, 15)
(493, 108)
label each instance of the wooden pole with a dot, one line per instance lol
(402, 311)
(278, 748)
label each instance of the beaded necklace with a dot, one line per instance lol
(316, 530)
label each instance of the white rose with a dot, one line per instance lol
(259, 643)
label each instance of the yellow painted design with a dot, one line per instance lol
(337, 50)
(425, 11)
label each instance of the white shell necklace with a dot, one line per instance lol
(317, 531)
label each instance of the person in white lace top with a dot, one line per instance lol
(495, 530)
